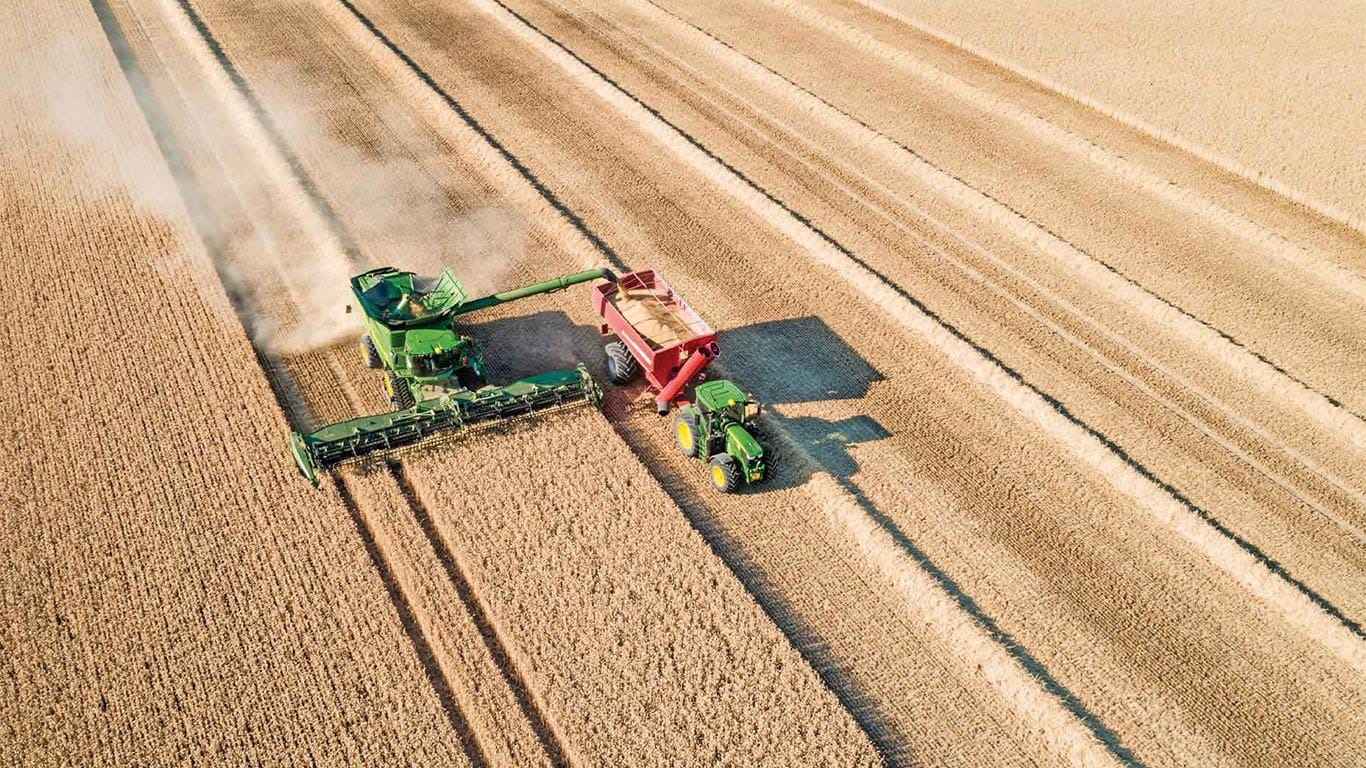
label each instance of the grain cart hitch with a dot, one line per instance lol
(433, 374)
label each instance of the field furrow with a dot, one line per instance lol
(172, 594)
(633, 230)
(1063, 402)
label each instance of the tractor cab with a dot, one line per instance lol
(724, 399)
(713, 428)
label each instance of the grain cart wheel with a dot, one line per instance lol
(368, 351)
(621, 366)
(397, 391)
(685, 433)
(725, 473)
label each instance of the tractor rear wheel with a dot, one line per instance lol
(685, 433)
(400, 396)
(621, 366)
(368, 351)
(725, 472)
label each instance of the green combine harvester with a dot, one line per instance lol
(433, 374)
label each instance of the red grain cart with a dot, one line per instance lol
(656, 331)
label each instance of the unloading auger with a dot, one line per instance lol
(433, 374)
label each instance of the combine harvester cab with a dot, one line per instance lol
(433, 374)
(658, 334)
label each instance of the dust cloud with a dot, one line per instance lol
(285, 251)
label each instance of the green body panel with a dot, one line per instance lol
(351, 439)
(720, 410)
(411, 322)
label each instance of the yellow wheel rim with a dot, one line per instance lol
(684, 436)
(388, 387)
(718, 477)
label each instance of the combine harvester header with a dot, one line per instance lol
(433, 374)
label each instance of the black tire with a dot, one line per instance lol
(400, 396)
(371, 354)
(724, 472)
(685, 433)
(621, 366)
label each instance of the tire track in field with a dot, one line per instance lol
(550, 739)
(255, 122)
(288, 397)
(579, 239)
(200, 211)
(1272, 475)
(413, 628)
(864, 135)
(1309, 260)
(1250, 175)
(292, 402)
(1268, 374)
(1019, 677)
(1242, 560)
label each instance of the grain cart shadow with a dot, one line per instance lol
(826, 442)
(797, 360)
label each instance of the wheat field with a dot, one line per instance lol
(1056, 315)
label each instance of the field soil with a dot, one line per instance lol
(1065, 416)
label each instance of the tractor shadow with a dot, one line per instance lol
(801, 360)
(826, 442)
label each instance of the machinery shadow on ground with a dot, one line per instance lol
(522, 345)
(797, 360)
(826, 442)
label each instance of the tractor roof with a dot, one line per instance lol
(714, 395)
(402, 299)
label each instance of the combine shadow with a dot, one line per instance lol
(523, 345)
(798, 360)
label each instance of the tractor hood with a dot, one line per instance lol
(739, 439)
(430, 341)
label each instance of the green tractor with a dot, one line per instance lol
(712, 428)
(434, 374)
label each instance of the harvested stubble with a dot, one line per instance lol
(1191, 78)
(171, 594)
(649, 210)
(641, 646)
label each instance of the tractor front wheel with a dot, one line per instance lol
(368, 351)
(400, 396)
(685, 433)
(725, 473)
(621, 366)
